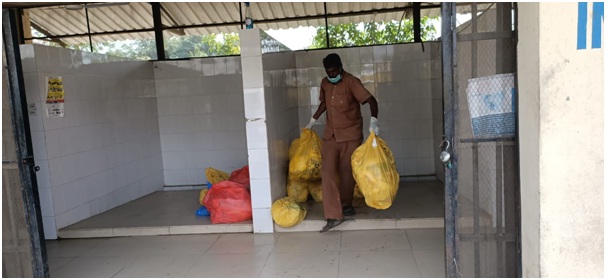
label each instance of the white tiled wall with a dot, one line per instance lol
(201, 117)
(401, 78)
(105, 151)
(281, 114)
(132, 127)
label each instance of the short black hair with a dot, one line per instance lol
(332, 60)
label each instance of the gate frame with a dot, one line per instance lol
(449, 39)
(23, 140)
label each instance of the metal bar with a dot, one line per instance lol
(510, 202)
(473, 44)
(45, 32)
(89, 34)
(94, 34)
(20, 31)
(517, 185)
(157, 28)
(21, 126)
(240, 14)
(476, 209)
(416, 21)
(488, 237)
(178, 31)
(235, 22)
(326, 20)
(449, 59)
(499, 203)
(487, 139)
(485, 36)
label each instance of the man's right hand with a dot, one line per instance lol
(311, 123)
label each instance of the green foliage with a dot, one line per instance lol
(176, 47)
(371, 33)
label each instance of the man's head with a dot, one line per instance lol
(334, 67)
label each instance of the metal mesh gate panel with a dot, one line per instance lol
(485, 129)
(16, 245)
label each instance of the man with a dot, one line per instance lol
(340, 95)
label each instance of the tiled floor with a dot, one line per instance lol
(418, 204)
(406, 240)
(365, 253)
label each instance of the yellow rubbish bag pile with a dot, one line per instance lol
(374, 170)
(298, 190)
(315, 190)
(202, 195)
(215, 176)
(305, 157)
(287, 213)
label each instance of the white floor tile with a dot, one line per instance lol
(71, 247)
(154, 266)
(93, 267)
(228, 265)
(240, 243)
(374, 240)
(302, 264)
(57, 263)
(379, 264)
(431, 263)
(428, 239)
(308, 242)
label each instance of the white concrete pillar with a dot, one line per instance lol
(561, 126)
(257, 132)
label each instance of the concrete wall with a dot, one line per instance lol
(105, 151)
(561, 141)
(201, 117)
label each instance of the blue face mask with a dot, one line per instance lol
(335, 79)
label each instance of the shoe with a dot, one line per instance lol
(330, 224)
(348, 211)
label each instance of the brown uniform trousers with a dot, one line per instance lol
(342, 135)
(337, 178)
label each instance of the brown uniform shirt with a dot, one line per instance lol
(343, 100)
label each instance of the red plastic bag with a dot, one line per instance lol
(228, 202)
(241, 176)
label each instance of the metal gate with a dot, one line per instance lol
(482, 176)
(23, 248)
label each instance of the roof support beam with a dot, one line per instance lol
(178, 31)
(326, 19)
(156, 8)
(46, 33)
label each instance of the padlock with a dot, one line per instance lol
(445, 155)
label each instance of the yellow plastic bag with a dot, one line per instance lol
(305, 156)
(298, 190)
(315, 190)
(287, 213)
(356, 192)
(374, 170)
(202, 195)
(215, 176)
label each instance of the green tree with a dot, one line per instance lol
(175, 47)
(372, 33)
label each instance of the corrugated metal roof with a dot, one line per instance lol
(220, 16)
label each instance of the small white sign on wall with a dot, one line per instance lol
(55, 97)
